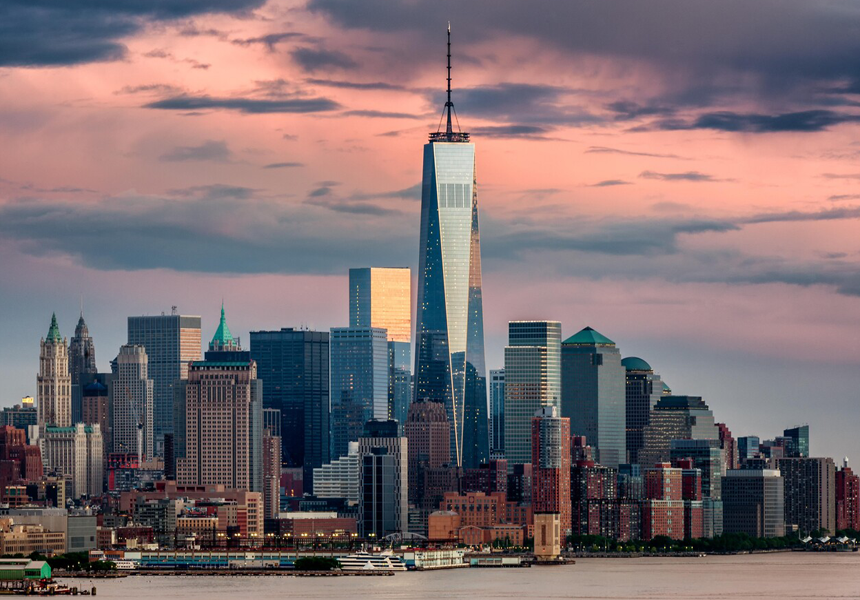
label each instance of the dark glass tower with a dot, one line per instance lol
(449, 332)
(294, 368)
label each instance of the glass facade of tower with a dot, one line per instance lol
(497, 412)
(449, 355)
(359, 383)
(532, 382)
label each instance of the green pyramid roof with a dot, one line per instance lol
(54, 331)
(589, 337)
(222, 338)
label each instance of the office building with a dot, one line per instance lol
(294, 368)
(381, 297)
(594, 394)
(133, 404)
(497, 413)
(449, 344)
(171, 342)
(383, 506)
(359, 383)
(643, 390)
(551, 465)
(95, 410)
(754, 502)
(847, 499)
(429, 436)
(21, 415)
(797, 442)
(271, 419)
(707, 456)
(76, 453)
(340, 478)
(676, 418)
(271, 474)
(82, 361)
(728, 446)
(810, 493)
(747, 448)
(532, 382)
(53, 383)
(223, 422)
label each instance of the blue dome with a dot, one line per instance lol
(634, 363)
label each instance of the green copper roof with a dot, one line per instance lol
(54, 331)
(634, 363)
(589, 337)
(222, 338)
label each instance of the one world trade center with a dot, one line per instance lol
(449, 355)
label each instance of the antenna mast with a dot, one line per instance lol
(449, 106)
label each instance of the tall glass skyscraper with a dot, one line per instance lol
(449, 332)
(497, 413)
(381, 297)
(532, 382)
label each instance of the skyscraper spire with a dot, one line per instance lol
(449, 106)
(449, 113)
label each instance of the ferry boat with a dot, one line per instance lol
(125, 565)
(364, 561)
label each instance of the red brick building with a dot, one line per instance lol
(847, 499)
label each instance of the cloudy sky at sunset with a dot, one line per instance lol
(682, 176)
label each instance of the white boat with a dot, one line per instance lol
(125, 565)
(364, 561)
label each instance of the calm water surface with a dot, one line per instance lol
(783, 575)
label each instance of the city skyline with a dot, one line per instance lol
(673, 210)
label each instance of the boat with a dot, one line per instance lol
(125, 565)
(365, 561)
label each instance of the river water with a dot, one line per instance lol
(759, 576)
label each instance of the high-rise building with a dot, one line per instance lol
(754, 502)
(271, 419)
(383, 506)
(810, 493)
(449, 344)
(223, 421)
(747, 448)
(359, 383)
(340, 477)
(644, 389)
(593, 394)
(798, 446)
(76, 453)
(171, 342)
(532, 382)
(847, 499)
(21, 415)
(707, 456)
(133, 405)
(663, 512)
(271, 474)
(729, 447)
(95, 410)
(82, 360)
(497, 412)
(551, 465)
(53, 383)
(676, 418)
(429, 436)
(294, 368)
(382, 297)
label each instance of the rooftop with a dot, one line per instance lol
(589, 337)
(634, 363)
(54, 331)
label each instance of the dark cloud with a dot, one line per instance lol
(803, 121)
(530, 132)
(156, 88)
(687, 176)
(380, 114)
(36, 33)
(246, 105)
(283, 165)
(627, 110)
(184, 231)
(833, 214)
(320, 59)
(355, 85)
(609, 183)
(837, 197)
(351, 208)
(270, 41)
(410, 193)
(606, 150)
(841, 175)
(210, 150)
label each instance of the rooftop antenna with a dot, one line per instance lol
(449, 106)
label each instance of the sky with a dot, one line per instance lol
(681, 176)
